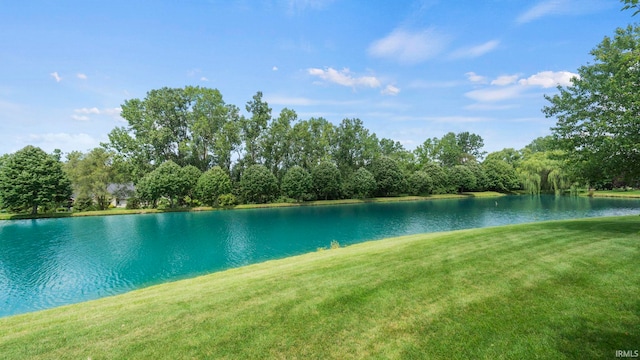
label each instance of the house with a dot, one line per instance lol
(121, 193)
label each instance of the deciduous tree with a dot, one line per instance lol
(31, 178)
(598, 115)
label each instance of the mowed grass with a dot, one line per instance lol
(553, 290)
(632, 194)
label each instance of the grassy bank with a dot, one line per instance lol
(564, 289)
(118, 211)
(631, 194)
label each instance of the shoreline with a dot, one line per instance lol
(116, 211)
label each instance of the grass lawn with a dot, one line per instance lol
(553, 290)
(617, 193)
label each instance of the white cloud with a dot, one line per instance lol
(63, 141)
(475, 51)
(495, 94)
(80, 117)
(81, 114)
(112, 111)
(81, 76)
(275, 68)
(390, 90)
(475, 78)
(562, 7)
(204, 79)
(92, 110)
(344, 78)
(547, 79)
(409, 47)
(55, 76)
(505, 80)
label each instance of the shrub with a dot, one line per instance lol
(258, 184)
(296, 183)
(211, 184)
(133, 203)
(227, 200)
(361, 184)
(326, 180)
(389, 178)
(420, 183)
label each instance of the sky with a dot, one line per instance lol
(410, 70)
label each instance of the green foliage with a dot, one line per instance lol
(361, 184)
(462, 178)
(500, 175)
(311, 142)
(227, 200)
(419, 183)
(355, 147)
(277, 142)
(90, 175)
(254, 126)
(211, 184)
(258, 185)
(452, 149)
(296, 183)
(167, 180)
(597, 115)
(544, 171)
(31, 178)
(190, 176)
(133, 202)
(439, 178)
(389, 177)
(326, 180)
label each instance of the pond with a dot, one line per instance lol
(51, 262)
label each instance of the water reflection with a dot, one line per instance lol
(50, 262)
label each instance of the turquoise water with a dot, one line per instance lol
(51, 262)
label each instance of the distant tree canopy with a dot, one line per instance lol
(598, 115)
(31, 178)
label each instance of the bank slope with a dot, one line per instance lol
(564, 289)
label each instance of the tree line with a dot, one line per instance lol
(187, 147)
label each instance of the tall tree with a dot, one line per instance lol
(253, 127)
(598, 115)
(31, 178)
(91, 174)
(276, 143)
(355, 147)
(311, 142)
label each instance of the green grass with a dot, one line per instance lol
(553, 290)
(617, 193)
(119, 211)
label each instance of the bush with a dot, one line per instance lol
(326, 180)
(361, 184)
(389, 178)
(133, 203)
(258, 185)
(211, 184)
(227, 200)
(296, 183)
(420, 183)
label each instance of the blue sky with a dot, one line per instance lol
(410, 70)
